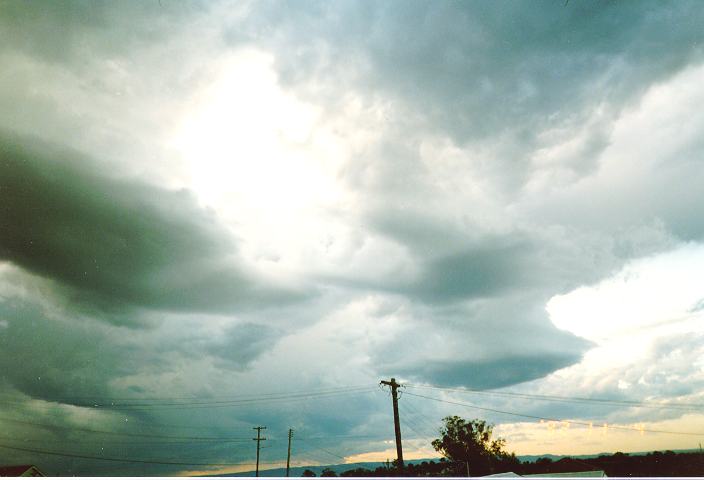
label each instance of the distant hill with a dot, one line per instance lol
(554, 458)
(337, 468)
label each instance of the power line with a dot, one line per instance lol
(410, 424)
(324, 437)
(425, 420)
(253, 400)
(536, 417)
(125, 434)
(233, 403)
(259, 439)
(112, 443)
(557, 398)
(98, 401)
(137, 421)
(123, 460)
(208, 404)
(321, 449)
(397, 422)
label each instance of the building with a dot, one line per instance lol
(585, 474)
(20, 471)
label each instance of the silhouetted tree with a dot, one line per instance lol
(470, 444)
(308, 473)
(357, 472)
(328, 473)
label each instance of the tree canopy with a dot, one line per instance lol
(469, 444)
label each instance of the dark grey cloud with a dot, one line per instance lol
(488, 374)
(482, 343)
(113, 242)
(88, 358)
(71, 363)
(75, 359)
(477, 69)
(240, 344)
(488, 270)
(65, 31)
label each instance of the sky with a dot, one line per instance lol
(221, 215)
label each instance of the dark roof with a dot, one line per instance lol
(20, 470)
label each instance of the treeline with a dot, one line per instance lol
(655, 464)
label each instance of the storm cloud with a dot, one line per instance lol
(116, 243)
(211, 212)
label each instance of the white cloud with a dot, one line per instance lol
(645, 294)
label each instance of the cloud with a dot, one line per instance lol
(83, 356)
(434, 172)
(74, 359)
(239, 345)
(478, 70)
(488, 374)
(448, 345)
(646, 335)
(113, 242)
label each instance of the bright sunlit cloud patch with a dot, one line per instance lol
(639, 296)
(247, 146)
(240, 133)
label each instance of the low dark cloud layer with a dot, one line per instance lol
(488, 374)
(113, 242)
(487, 271)
(75, 359)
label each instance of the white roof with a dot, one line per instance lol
(587, 474)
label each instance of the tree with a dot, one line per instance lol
(328, 472)
(469, 445)
(357, 472)
(308, 473)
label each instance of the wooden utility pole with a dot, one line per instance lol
(258, 439)
(288, 457)
(397, 423)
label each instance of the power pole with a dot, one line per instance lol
(258, 439)
(288, 457)
(397, 423)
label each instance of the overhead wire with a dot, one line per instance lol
(314, 447)
(127, 460)
(124, 434)
(424, 419)
(218, 403)
(537, 417)
(406, 421)
(222, 398)
(558, 398)
(114, 443)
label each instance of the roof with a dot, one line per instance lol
(586, 474)
(20, 471)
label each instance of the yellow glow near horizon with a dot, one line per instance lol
(532, 438)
